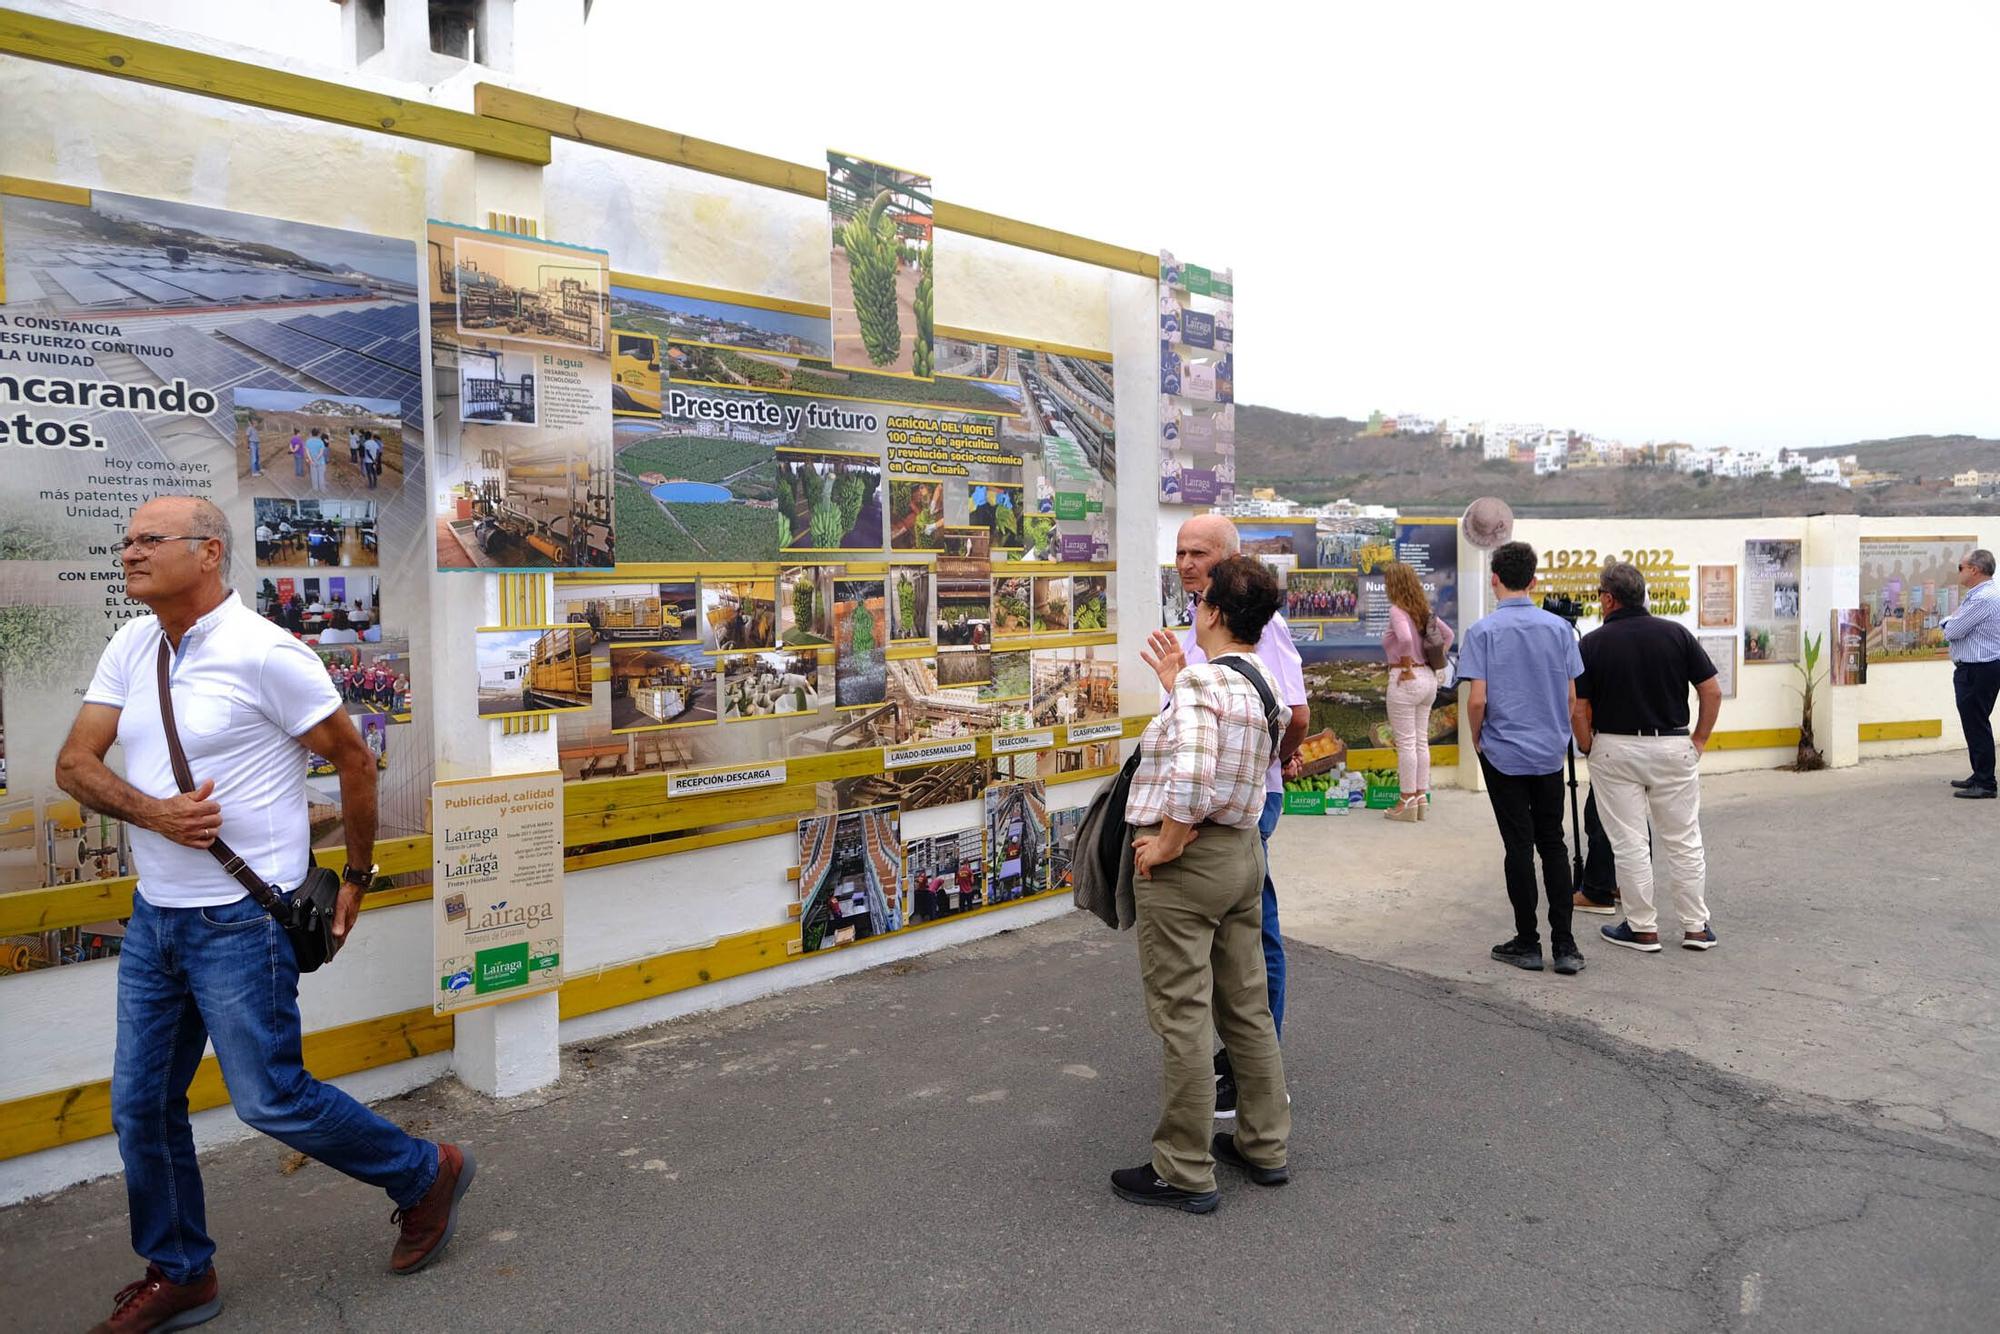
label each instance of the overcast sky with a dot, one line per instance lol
(1751, 223)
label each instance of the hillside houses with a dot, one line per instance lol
(1746, 464)
(1548, 450)
(1266, 503)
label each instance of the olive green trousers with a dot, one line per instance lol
(1201, 956)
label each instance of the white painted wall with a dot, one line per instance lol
(1764, 692)
(75, 128)
(1767, 694)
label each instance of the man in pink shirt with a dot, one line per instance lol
(1201, 542)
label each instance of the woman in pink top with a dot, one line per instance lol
(1413, 687)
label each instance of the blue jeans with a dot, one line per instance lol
(1274, 944)
(188, 975)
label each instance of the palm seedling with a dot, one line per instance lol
(1809, 757)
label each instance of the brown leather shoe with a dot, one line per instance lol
(427, 1226)
(155, 1304)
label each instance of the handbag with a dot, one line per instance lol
(1434, 644)
(306, 914)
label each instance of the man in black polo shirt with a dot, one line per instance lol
(1631, 718)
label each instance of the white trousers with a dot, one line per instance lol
(1637, 777)
(1410, 724)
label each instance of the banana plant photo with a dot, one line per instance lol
(830, 501)
(881, 300)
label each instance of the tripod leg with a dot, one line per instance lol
(1575, 824)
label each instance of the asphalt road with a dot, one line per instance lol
(925, 1146)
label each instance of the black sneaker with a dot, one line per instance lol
(1224, 1149)
(1568, 959)
(1963, 783)
(1225, 1097)
(1520, 955)
(1141, 1185)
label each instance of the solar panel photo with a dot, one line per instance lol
(148, 286)
(123, 432)
(269, 380)
(352, 373)
(280, 343)
(86, 288)
(390, 321)
(196, 357)
(336, 330)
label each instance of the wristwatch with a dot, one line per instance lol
(355, 875)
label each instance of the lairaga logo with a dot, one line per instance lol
(471, 838)
(504, 913)
(472, 864)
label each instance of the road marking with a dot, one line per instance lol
(1753, 1294)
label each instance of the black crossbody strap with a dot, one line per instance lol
(1272, 718)
(184, 780)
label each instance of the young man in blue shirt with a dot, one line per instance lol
(1520, 665)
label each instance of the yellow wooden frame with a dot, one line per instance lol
(1911, 730)
(55, 194)
(28, 911)
(1756, 738)
(83, 1111)
(728, 956)
(55, 42)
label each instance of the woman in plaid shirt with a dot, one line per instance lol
(1199, 888)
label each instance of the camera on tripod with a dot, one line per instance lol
(1565, 606)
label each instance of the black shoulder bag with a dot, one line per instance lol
(307, 914)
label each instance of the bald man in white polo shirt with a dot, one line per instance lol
(202, 960)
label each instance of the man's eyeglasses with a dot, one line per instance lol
(152, 541)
